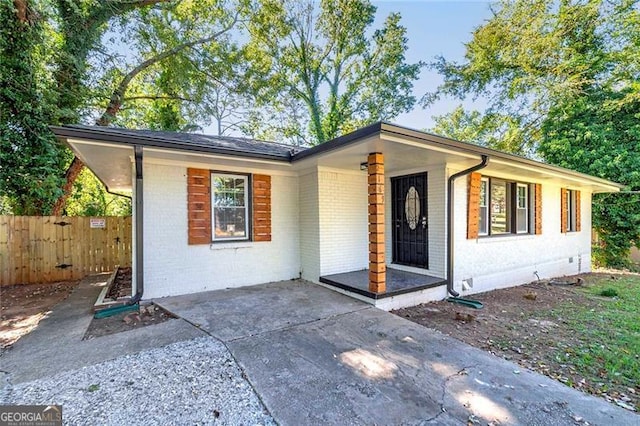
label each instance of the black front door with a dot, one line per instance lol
(409, 218)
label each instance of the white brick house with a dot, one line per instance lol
(367, 214)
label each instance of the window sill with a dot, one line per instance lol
(227, 245)
(487, 239)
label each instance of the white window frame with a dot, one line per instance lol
(508, 205)
(484, 232)
(525, 208)
(247, 217)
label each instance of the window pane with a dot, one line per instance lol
(522, 221)
(571, 210)
(483, 219)
(522, 197)
(229, 208)
(499, 207)
(483, 193)
(482, 227)
(230, 222)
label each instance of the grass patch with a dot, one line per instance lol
(606, 343)
(608, 292)
(584, 336)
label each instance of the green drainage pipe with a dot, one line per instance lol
(107, 312)
(467, 302)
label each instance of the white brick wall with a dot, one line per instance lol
(344, 238)
(498, 262)
(319, 227)
(309, 226)
(173, 267)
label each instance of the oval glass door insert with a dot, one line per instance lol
(412, 207)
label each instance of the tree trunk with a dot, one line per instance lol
(68, 76)
(21, 9)
(72, 173)
(115, 103)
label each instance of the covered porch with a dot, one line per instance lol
(374, 216)
(400, 247)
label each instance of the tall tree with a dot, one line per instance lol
(45, 49)
(526, 57)
(599, 133)
(175, 49)
(29, 159)
(82, 23)
(320, 57)
(566, 74)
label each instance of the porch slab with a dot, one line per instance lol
(398, 282)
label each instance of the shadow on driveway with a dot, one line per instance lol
(316, 356)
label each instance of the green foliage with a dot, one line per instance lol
(89, 198)
(181, 56)
(320, 59)
(30, 159)
(57, 68)
(608, 292)
(493, 130)
(562, 80)
(600, 135)
(527, 57)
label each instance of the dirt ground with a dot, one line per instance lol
(121, 286)
(124, 321)
(24, 306)
(146, 315)
(515, 324)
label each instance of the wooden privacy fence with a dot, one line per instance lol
(38, 249)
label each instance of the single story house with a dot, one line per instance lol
(386, 214)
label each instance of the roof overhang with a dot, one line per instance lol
(109, 153)
(111, 163)
(407, 149)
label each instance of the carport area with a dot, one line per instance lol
(315, 356)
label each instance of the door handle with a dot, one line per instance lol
(424, 221)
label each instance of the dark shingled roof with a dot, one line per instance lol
(245, 147)
(232, 145)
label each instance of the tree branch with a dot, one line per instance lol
(115, 103)
(156, 98)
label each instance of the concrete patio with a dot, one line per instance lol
(315, 356)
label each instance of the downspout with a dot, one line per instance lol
(139, 234)
(450, 192)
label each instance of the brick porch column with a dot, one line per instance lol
(377, 268)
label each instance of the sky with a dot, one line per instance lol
(434, 28)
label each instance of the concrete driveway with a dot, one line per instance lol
(317, 357)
